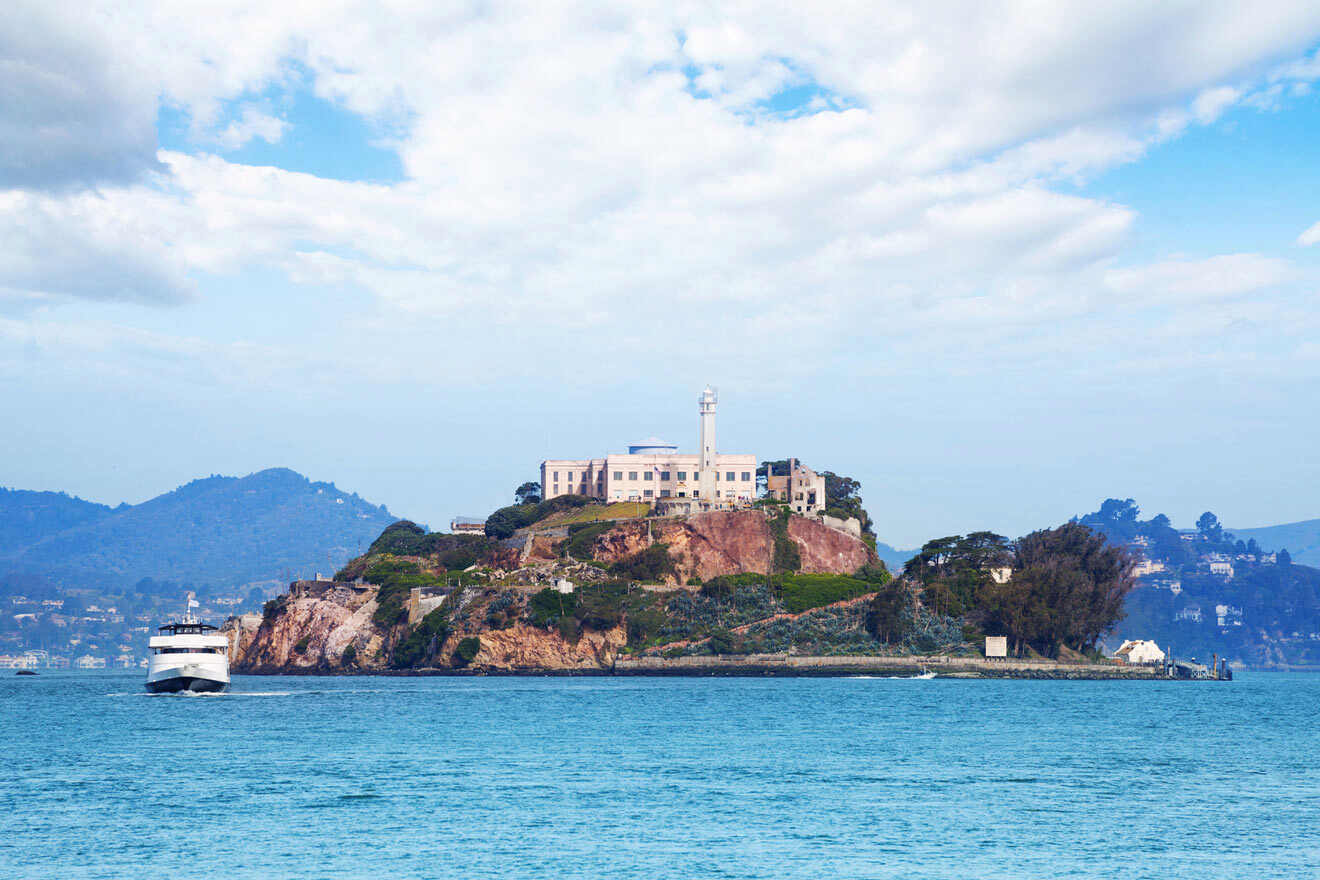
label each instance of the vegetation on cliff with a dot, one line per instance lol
(1066, 587)
(505, 521)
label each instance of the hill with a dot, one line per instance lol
(1215, 590)
(1301, 539)
(27, 517)
(213, 532)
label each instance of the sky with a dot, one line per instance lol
(996, 261)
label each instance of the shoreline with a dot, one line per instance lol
(785, 666)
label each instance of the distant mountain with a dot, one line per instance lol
(1301, 539)
(893, 558)
(28, 517)
(214, 532)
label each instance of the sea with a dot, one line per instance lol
(531, 777)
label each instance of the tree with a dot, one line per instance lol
(890, 613)
(1115, 510)
(1068, 588)
(1253, 547)
(1160, 521)
(1285, 558)
(528, 493)
(1208, 525)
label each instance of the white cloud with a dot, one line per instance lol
(1310, 236)
(562, 173)
(251, 124)
(1188, 280)
(1210, 103)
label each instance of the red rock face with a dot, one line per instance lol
(825, 549)
(733, 542)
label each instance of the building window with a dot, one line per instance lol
(696, 493)
(632, 475)
(570, 476)
(682, 476)
(747, 476)
(664, 475)
(556, 476)
(646, 475)
(717, 493)
(682, 494)
(648, 493)
(664, 493)
(717, 476)
(731, 476)
(618, 475)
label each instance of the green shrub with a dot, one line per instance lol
(548, 606)
(300, 647)
(647, 566)
(787, 556)
(720, 642)
(582, 535)
(395, 578)
(694, 581)
(274, 607)
(422, 642)
(600, 606)
(645, 624)
(874, 572)
(406, 538)
(400, 538)
(569, 629)
(505, 521)
(467, 650)
(801, 592)
(350, 655)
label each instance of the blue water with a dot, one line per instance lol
(660, 778)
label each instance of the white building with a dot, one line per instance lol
(655, 469)
(1222, 568)
(1145, 567)
(1001, 574)
(1139, 651)
(1228, 615)
(996, 647)
(87, 661)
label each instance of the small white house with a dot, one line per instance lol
(1222, 568)
(996, 647)
(1139, 651)
(564, 585)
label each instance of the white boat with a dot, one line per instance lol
(188, 657)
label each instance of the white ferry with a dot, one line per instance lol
(189, 657)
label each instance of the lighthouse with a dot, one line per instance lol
(707, 474)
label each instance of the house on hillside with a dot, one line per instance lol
(1139, 652)
(1224, 569)
(1146, 567)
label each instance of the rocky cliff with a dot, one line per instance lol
(732, 542)
(419, 616)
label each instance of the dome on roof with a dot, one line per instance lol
(652, 446)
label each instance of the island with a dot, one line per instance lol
(577, 585)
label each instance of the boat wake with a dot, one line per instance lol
(205, 694)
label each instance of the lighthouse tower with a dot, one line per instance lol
(706, 479)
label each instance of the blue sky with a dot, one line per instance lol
(997, 268)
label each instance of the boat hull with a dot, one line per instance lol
(186, 683)
(205, 673)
